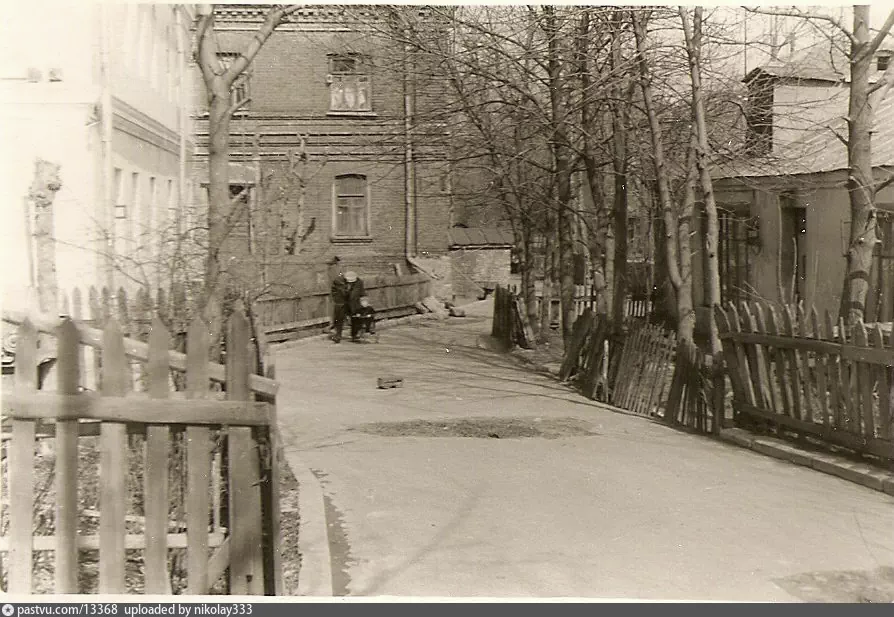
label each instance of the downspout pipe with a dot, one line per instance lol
(409, 163)
(411, 232)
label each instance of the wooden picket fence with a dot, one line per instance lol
(635, 306)
(691, 398)
(283, 318)
(643, 370)
(205, 492)
(792, 371)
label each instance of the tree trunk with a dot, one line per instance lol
(42, 195)
(597, 212)
(526, 263)
(864, 227)
(218, 184)
(562, 168)
(620, 196)
(692, 34)
(671, 226)
(685, 304)
(546, 293)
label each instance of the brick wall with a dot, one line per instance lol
(474, 266)
(290, 101)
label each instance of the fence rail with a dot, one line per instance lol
(186, 477)
(789, 369)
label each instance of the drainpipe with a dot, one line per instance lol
(106, 120)
(409, 165)
(412, 227)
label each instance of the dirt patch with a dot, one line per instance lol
(863, 586)
(484, 428)
(289, 521)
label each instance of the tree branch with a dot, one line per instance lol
(883, 184)
(273, 19)
(880, 35)
(838, 135)
(802, 15)
(235, 106)
(206, 47)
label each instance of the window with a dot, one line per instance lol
(149, 213)
(759, 118)
(118, 188)
(733, 253)
(349, 85)
(881, 63)
(242, 86)
(351, 200)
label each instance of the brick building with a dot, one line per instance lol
(336, 148)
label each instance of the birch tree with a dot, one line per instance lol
(692, 32)
(861, 185)
(676, 224)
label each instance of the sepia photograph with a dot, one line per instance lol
(479, 302)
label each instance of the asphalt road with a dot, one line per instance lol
(619, 507)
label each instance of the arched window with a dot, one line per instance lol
(351, 206)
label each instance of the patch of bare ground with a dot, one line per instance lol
(483, 427)
(548, 351)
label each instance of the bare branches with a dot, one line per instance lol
(800, 14)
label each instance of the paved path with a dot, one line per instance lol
(633, 510)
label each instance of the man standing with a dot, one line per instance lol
(345, 292)
(337, 295)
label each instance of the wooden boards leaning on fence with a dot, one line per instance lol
(793, 371)
(510, 323)
(144, 427)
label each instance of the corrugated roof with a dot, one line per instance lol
(480, 236)
(822, 151)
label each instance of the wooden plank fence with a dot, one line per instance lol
(207, 502)
(391, 296)
(792, 371)
(690, 398)
(510, 322)
(635, 307)
(644, 367)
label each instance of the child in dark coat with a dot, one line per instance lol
(363, 319)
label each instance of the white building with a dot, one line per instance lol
(105, 91)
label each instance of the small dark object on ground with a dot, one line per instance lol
(390, 382)
(493, 435)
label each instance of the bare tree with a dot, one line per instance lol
(219, 79)
(864, 233)
(676, 223)
(692, 31)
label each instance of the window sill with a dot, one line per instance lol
(353, 114)
(350, 239)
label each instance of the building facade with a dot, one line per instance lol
(335, 151)
(785, 212)
(103, 91)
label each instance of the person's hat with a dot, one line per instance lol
(350, 276)
(333, 261)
